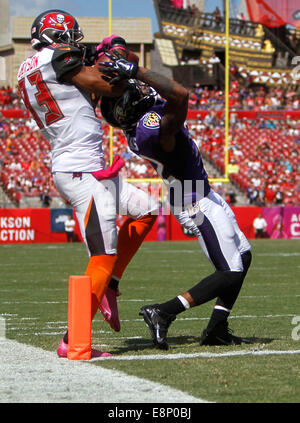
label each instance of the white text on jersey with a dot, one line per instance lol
(29, 64)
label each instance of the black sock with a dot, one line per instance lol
(174, 306)
(114, 284)
(217, 317)
(209, 287)
(66, 338)
(214, 286)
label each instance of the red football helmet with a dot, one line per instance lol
(55, 26)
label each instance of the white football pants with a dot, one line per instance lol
(97, 203)
(213, 222)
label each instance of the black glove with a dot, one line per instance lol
(90, 55)
(119, 68)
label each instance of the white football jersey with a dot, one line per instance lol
(63, 112)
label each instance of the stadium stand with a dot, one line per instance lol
(264, 54)
(266, 151)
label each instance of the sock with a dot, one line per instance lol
(219, 315)
(173, 306)
(100, 269)
(214, 285)
(228, 298)
(114, 283)
(209, 287)
(184, 302)
(66, 338)
(130, 237)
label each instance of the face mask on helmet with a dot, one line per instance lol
(55, 26)
(125, 111)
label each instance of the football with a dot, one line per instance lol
(128, 54)
(132, 57)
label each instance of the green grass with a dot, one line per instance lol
(33, 301)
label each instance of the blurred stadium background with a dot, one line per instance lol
(259, 160)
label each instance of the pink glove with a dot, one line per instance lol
(112, 171)
(109, 44)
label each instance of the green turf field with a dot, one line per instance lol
(33, 302)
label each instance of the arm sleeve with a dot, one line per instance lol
(65, 59)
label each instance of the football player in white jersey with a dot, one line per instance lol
(57, 88)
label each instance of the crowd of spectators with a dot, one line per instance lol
(263, 152)
(263, 156)
(257, 98)
(246, 97)
(9, 99)
(24, 160)
(187, 13)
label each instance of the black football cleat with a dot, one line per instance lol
(158, 323)
(222, 335)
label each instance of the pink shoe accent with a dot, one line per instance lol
(62, 351)
(109, 309)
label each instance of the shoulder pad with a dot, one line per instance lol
(65, 59)
(64, 47)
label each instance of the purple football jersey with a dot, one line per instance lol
(181, 168)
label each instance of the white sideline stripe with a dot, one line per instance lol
(278, 254)
(30, 374)
(12, 317)
(182, 250)
(200, 355)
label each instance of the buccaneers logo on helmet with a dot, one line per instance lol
(57, 21)
(55, 26)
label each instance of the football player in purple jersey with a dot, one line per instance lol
(152, 114)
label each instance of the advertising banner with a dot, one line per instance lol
(273, 216)
(58, 218)
(26, 226)
(291, 223)
(245, 217)
(45, 225)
